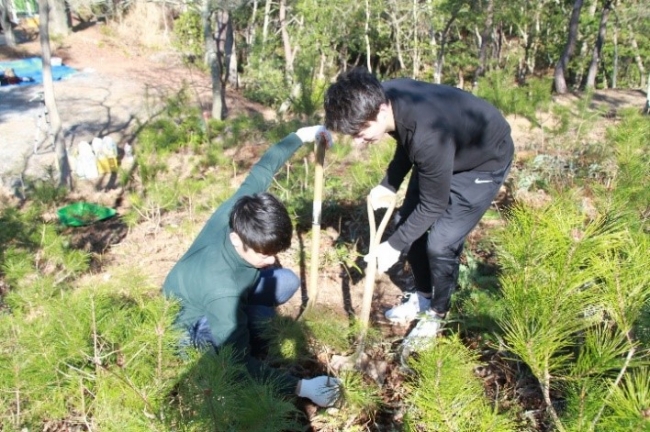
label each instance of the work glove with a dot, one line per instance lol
(380, 197)
(324, 391)
(312, 133)
(386, 256)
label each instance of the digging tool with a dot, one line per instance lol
(371, 270)
(312, 288)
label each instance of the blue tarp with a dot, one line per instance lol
(32, 68)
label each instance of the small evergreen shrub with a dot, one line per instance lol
(497, 87)
(445, 395)
(188, 36)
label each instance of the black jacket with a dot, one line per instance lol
(441, 130)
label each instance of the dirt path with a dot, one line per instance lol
(115, 87)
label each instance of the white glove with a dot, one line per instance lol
(311, 133)
(380, 197)
(386, 255)
(322, 390)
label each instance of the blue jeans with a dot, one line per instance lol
(275, 287)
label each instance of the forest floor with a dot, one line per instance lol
(117, 86)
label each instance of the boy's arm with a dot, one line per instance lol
(261, 175)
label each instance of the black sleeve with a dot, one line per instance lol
(397, 170)
(434, 157)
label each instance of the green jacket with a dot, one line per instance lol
(212, 280)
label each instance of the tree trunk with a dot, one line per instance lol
(615, 60)
(440, 57)
(233, 60)
(65, 178)
(637, 54)
(212, 61)
(531, 37)
(416, 48)
(10, 38)
(267, 19)
(563, 63)
(647, 98)
(397, 33)
(224, 42)
(366, 37)
(598, 47)
(59, 18)
(485, 41)
(250, 30)
(289, 53)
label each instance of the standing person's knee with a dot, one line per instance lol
(439, 250)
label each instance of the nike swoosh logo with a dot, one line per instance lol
(477, 181)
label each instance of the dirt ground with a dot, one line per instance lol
(118, 85)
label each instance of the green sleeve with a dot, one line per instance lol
(258, 180)
(261, 174)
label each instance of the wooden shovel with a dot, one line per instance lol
(371, 270)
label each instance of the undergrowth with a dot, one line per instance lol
(560, 291)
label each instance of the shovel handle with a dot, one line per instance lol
(312, 288)
(371, 270)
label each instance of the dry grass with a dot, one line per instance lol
(147, 24)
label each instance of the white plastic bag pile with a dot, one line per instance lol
(96, 158)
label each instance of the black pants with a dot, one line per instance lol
(434, 257)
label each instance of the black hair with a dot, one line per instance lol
(262, 222)
(353, 101)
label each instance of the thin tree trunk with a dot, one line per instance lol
(398, 34)
(10, 38)
(59, 18)
(286, 43)
(485, 41)
(224, 42)
(598, 47)
(290, 55)
(267, 19)
(212, 61)
(562, 64)
(440, 57)
(250, 31)
(65, 178)
(647, 98)
(233, 59)
(615, 60)
(637, 54)
(367, 38)
(416, 48)
(321, 65)
(530, 63)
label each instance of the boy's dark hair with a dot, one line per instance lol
(352, 101)
(262, 222)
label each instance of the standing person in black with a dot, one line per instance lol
(458, 149)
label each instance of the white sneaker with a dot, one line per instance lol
(412, 304)
(423, 334)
